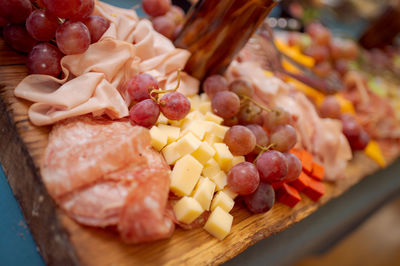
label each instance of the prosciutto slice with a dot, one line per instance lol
(92, 81)
(105, 173)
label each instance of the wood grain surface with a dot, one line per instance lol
(63, 242)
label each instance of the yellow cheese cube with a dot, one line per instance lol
(220, 179)
(204, 97)
(187, 209)
(171, 132)
(223, 155)
(205, 107)
(211, 138)
(222, 200)
(219, 223)
(195, 115)
(162, 119)
(197, 127)
(203, 153)
(218, 130)
(209, 116)
(230, 193)
(187, 144)
(170, 154)
(204, 192)
(158, 138)
(211, 169)
(194, 102)
(176, 123)
(185, 175)
(236, 160)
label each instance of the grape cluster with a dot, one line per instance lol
(167, 19)
(143, 89)
(48, 29)
(256, 131)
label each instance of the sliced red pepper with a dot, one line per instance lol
(288, 195)
(307, 161)
(301, 183)
(277, 185)
(318, 172)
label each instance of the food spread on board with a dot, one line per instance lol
(136, 146)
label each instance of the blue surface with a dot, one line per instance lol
(16, 243)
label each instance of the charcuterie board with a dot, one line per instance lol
(62, 241)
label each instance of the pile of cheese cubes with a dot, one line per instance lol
(194, 147)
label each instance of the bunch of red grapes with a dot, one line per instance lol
(264, 136)
(143, 90)
(49, 29)
(167, 19)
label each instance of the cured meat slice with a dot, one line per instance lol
(105, 173)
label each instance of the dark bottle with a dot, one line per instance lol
(215, 31)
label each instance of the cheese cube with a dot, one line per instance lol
(162, 119)
(223, 155)
(219, 223)
(194, 102)
(211, 138)
(204, 192)
(209, 116)
(197, 127)
(236, 160)
(176, 123)
(230, 193)
(185, 175)
(211, 168)
(170, 154)
(203, 153)
(187, 209)
(218, 130)
(187, 144)
(205, 107)
(222, 200)
(171, 132)
(204, 97)
(220, 179)
(158, 138)
(195, 115)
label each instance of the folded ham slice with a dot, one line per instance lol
(92, 81)
(322, 137)
(105, 173)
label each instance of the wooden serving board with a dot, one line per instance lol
(63, 242)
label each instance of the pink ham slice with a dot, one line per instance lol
(104, 173)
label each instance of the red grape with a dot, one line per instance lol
(319, 34)
(330, 108)
(85, 10)
(261, 136)
(284, 137)
(214, 84)
(343, 49)
(41, 25)
(294, 167)
(97, 26)
(139, 86)
(164, 25)
(250, 114)
(230, 122)
(355, 134)
(240, 140)
(323, 69)
(225, 104)
(243, 178)
(73, 37)
(174, 105)
(63, 8)
(176, 13)
(275, 118)
(18, 38)
(15, 11)
(272, 166)
(260, 200)
(242, 87)
(3, 22)
(44, 58)
(342, 66)
(156, 8)
(319, 53)
(145, 113)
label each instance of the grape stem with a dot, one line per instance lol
(263, 149)
(157, 92)
(256, 103)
